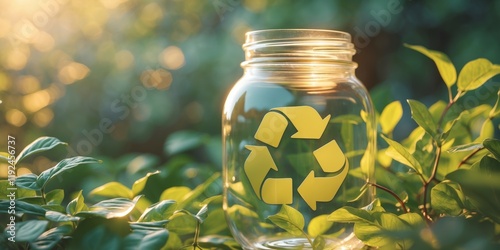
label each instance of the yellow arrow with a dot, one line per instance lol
(314, 189)
(256, 166)
(330, 157)
(306, 120)
(271, 129)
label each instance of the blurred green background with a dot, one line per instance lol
(116, 78)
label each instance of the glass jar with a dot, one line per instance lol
(298, 140)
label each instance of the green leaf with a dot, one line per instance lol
(466, 147)
(319, 225)
(28, 181)
(401, 154)
(423, 117)
(319, 243)
(478, 178)
(19, 192)
(113, 189)
(175, 193)
(30, 230)
(350, 215)
(60, 217)
(139, 185)
(54, 197)
(112, 208)
(76, 205)
(443, 63)
(446, 200)
(493, 145)
(62, 166)
(22, 208)
(158, 211)
(289, 219)
(201, 215)
(39, 145)
(182, 141)
(142, 239)
(198, 191)
(218, 242)
(413, 219)
(212, 224)
(50, 238)
(495, 111)
(390, 116)
(182, 223)
(475, 73)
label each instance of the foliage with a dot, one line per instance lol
(124, 219)
(449, 179)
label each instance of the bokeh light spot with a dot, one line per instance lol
(16, 59)
(72, 72)
(43, 117)
(172, 58)
(159, 79)
(15, 117)
(28, 84)
(124, 59)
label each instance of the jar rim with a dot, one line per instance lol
(269, 35)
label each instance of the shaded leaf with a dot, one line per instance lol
(289, 219)
(182, 141)
(22, 208)
(475, 73)
(350, 215)
(390, 116)
(443, 63)
(198, 191)
(445, 199)
(112, 208)
(182, 223)
(319, 243)
(50, 238)
(113, 189)
(59, 217)
(493, 145)
(54, 197)
(30, 230)
(39, 145)
(141, 239)
(28, 181)
(139, 185)
(159, 211)
(218, 242)
(62, 166)
(423, 117)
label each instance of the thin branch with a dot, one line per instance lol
(467, 158)
(431, 178)
(400, 201)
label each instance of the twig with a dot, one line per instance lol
(400, 201)
(431, 178)
(467, 158)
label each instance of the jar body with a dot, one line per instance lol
(296, 139)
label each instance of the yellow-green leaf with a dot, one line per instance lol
(495, 111)
(401, 154)
(289, 219)
(443, 63)
(319, 225)
(139, 185)
(475, 73)
(175, 193)
(113, 189)
(390, 116)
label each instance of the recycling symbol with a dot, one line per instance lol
(309, 125)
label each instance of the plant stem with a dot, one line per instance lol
(467, 158)
(307, 237)
(400, 201)
(431, 178)
(196, 235)
(441, 118)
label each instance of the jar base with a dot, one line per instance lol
(348, 243)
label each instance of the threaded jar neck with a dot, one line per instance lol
(298, 47)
